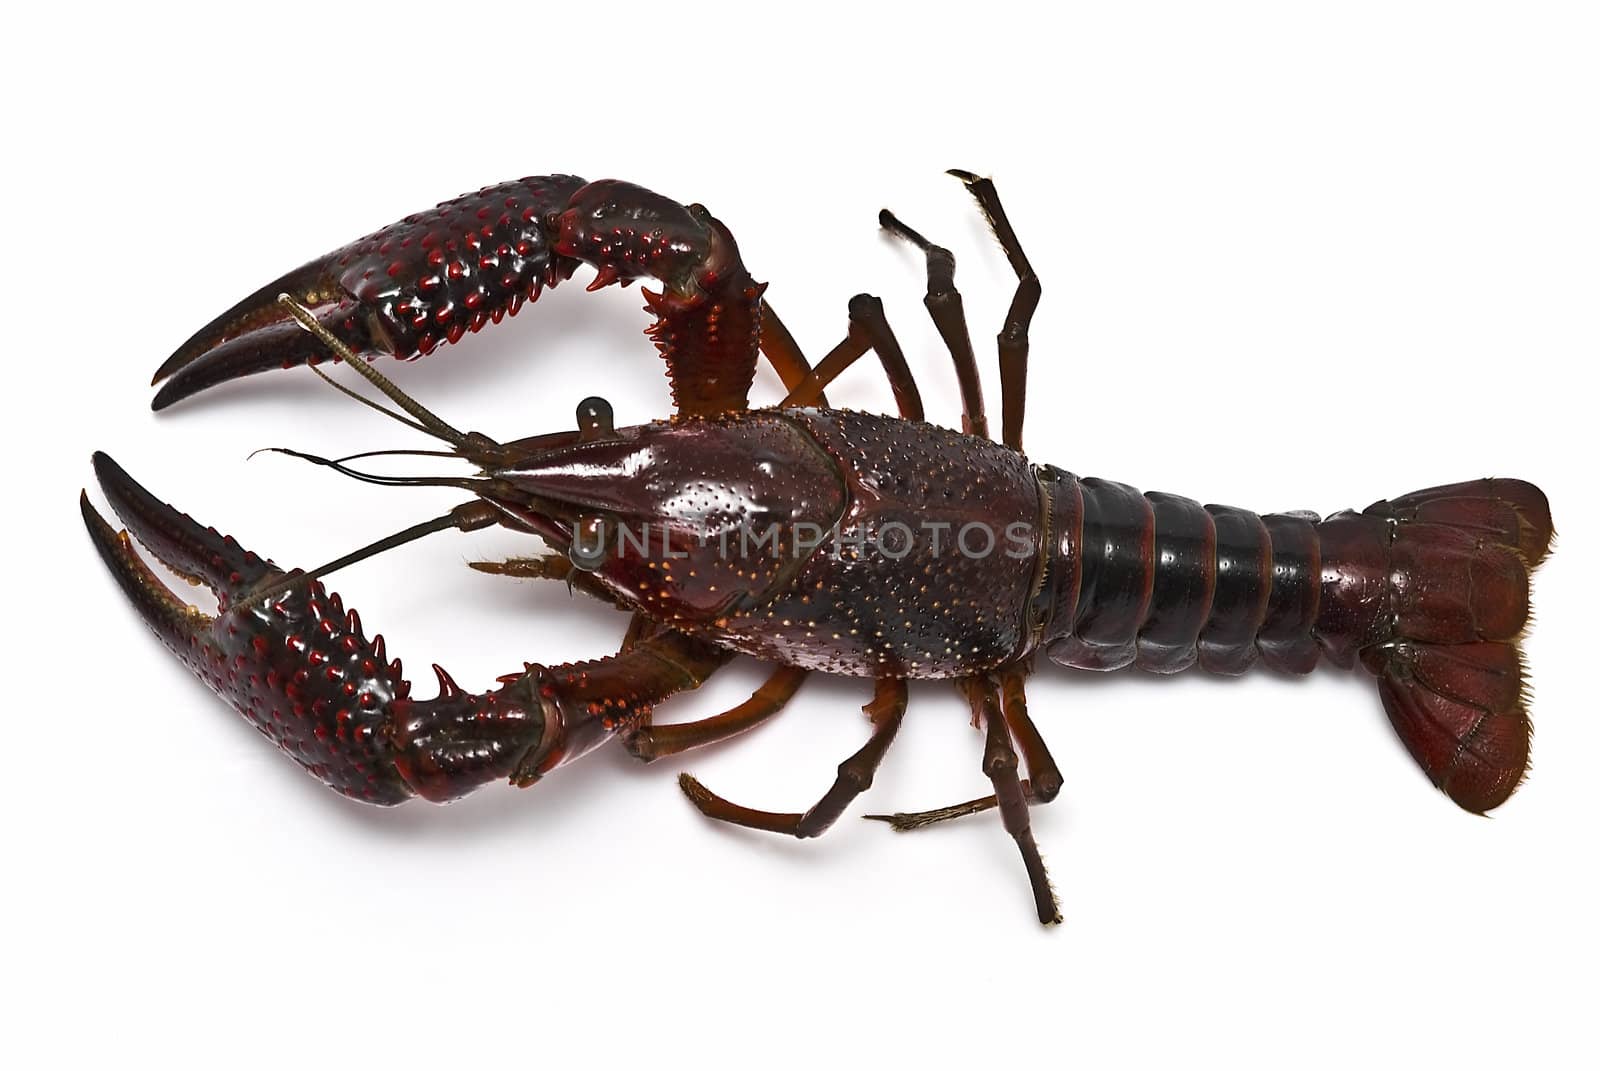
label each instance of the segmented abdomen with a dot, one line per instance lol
(1160, 581)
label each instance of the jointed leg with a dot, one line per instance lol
(1043, 773)
(1042, 784)
(784, 353)
(887, 710)
(944, 305)
(1013, 338)
(651, 741)
(869, 330)
(1000, 764)
(540, 719)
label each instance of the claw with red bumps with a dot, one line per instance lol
(403, 290)
(298, 666)
(439, 275)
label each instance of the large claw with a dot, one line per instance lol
(437, 275)
(402, 290)
(299, 668)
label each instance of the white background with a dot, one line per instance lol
(1292, 257)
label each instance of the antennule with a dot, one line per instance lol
(466, 483)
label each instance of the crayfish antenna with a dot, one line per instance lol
(467, 517)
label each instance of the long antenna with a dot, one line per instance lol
(430, 423)
(468, 517)
(397, 453)
(468, 483)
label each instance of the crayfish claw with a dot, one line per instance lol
(404, 290)
(253, 317)
(174, 621)
(295, 663)
(278, 345)
(196, 553)
(436, 276)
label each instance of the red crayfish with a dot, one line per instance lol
(811, 538)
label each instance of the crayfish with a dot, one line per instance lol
(808, 537)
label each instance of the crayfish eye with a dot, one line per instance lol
(591, 539)
(594, 419)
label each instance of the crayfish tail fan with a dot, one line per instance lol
(1453, 680)
(1462, 712)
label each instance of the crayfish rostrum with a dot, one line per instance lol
(811, 538)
